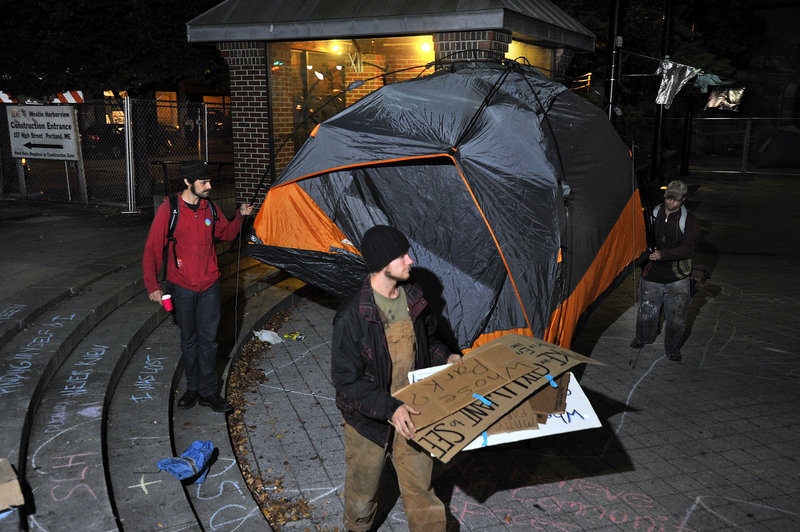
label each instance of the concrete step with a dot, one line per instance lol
(89, 386)
(66, 455)
(22, 304)
(33, 356)
(138, 435)
(224, 501)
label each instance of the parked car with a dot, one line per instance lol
(103, 141)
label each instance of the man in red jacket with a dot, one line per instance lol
(193, 279)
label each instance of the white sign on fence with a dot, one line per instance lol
(43, 131)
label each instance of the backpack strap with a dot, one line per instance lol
(681, 221)
(174, 211)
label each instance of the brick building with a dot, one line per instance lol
(295, 64)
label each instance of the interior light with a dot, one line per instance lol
(335, 48)
(309, 67)
(426, 47)
(338, 67)
(319, 75)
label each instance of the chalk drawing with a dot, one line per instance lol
(143, 485)
(8, 312)
(299, 393)
(147, 379)
(700, 502)
(294, 361)
(91, 411)
(216, 526)
(628, 403)
(49, 440)
(20, 363)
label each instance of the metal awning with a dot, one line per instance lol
(539, 21)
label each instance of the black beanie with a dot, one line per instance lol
(191, 171)
(381, 245)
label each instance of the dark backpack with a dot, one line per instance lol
(174, 212)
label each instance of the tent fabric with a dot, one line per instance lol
(507, 186)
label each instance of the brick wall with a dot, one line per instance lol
(479, 44)
(249, 113)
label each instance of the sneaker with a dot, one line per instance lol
(216, 403)
(188, 399)
(638, 344)
(675, 356)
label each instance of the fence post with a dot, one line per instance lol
(746, 148)
(83, 190)
(129, 173)
(23, 189)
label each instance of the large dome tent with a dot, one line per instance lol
(515, 193)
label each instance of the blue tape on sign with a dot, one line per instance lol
(482, 399)
(552, 381)
(485, 439)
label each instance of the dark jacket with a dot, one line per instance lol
(361, 368)
(675, 244)
(194, 246)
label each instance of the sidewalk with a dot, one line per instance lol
(709, 443)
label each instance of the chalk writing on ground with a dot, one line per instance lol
(20, 364)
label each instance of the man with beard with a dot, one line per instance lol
(380, 333)
(192, 278)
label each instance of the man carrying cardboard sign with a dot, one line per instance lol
(380, 334)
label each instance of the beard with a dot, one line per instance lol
(399, 279)
(201, 194)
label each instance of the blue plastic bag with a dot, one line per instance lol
(193, 462)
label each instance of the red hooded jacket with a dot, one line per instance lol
(194, 247)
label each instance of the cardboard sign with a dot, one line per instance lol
(462, 401)
(578, 415)
(10, 492)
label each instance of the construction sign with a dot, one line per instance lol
(43, 132)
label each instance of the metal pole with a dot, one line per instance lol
(129, 173)
(69, 189)
(687, 137)
(746, 149)
(615, 42)
(658, 135)
(270, 117)
(205, 132)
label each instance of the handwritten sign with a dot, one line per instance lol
(462, 401)
(578, 415)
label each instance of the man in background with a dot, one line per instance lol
(665, 278)
(192, 278)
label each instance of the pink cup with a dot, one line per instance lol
(166, 300)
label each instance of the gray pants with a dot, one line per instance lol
(674, 297)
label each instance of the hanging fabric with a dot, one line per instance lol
(674, 77)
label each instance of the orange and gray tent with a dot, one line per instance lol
(516, 194)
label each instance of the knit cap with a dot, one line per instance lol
(194, 170)
(381, 245)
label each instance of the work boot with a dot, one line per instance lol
(188, 399)
(216, 403)
(638, 344)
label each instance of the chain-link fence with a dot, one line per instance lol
(729, 145)
(131, 151)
